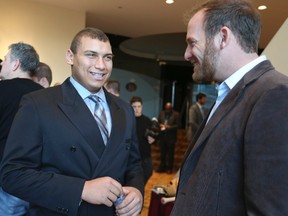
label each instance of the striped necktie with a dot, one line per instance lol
(100, 117)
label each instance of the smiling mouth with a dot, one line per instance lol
(97, 75)
(194, 61)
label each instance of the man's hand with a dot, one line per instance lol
(162, 127)
(103, 190)
(132, 204)
(150, 139)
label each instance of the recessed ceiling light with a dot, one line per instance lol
(262, 7)
(169, 1)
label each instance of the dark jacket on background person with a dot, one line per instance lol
(11, 92)
(173, 120)
(142, 124)
(195, 120)
(168, 138)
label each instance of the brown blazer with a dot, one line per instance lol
(239, 164)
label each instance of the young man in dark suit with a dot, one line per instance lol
(15, 73)
(60, 157)
(145, 136)
(237, 163)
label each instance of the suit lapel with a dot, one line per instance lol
(77, 111)
(118, 119)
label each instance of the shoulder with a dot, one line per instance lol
(264, 74)
(4, 84)
(175, 113)
(23, 86)
(119, 103)
(46, 95)
(260, 82)
(146, 118)
(19, 82)
(117, 100)
(193, 107)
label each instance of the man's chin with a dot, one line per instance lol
(197, 77)
(201, 77)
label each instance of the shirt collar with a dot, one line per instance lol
(235, 77)
(84, 93)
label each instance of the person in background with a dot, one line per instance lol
(197, 113)
(238, 162)
(145, 139)
(73, 148)
(169, 121)
(0, 65)
(113, 86)
(15, 73)
(42, 75)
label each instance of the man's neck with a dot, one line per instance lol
(19, 74)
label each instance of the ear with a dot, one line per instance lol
(44, 82)
(225, 34)
(16, 64)
(69, 57)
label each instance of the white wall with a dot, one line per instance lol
(277, 49)
(49, 29)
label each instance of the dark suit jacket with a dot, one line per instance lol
(55, 145)
(239, 164)
(11, 92)
(195, 120)
(173, 122)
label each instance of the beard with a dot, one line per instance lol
(205, 72)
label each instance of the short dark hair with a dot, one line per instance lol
(200, 96)
(238, 15)
(136, 99)
(89, 32)
(27, 55)
(43, 70)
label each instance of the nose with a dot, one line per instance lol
(188, 54)
(100, 63)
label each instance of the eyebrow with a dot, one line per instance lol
(191, 40)
(94, 52)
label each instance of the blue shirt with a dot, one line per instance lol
(84, 94)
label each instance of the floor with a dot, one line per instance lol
(156, 179)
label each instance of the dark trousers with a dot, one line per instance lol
(147, 168)
(167, 146)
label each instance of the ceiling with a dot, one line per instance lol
(157, 29)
